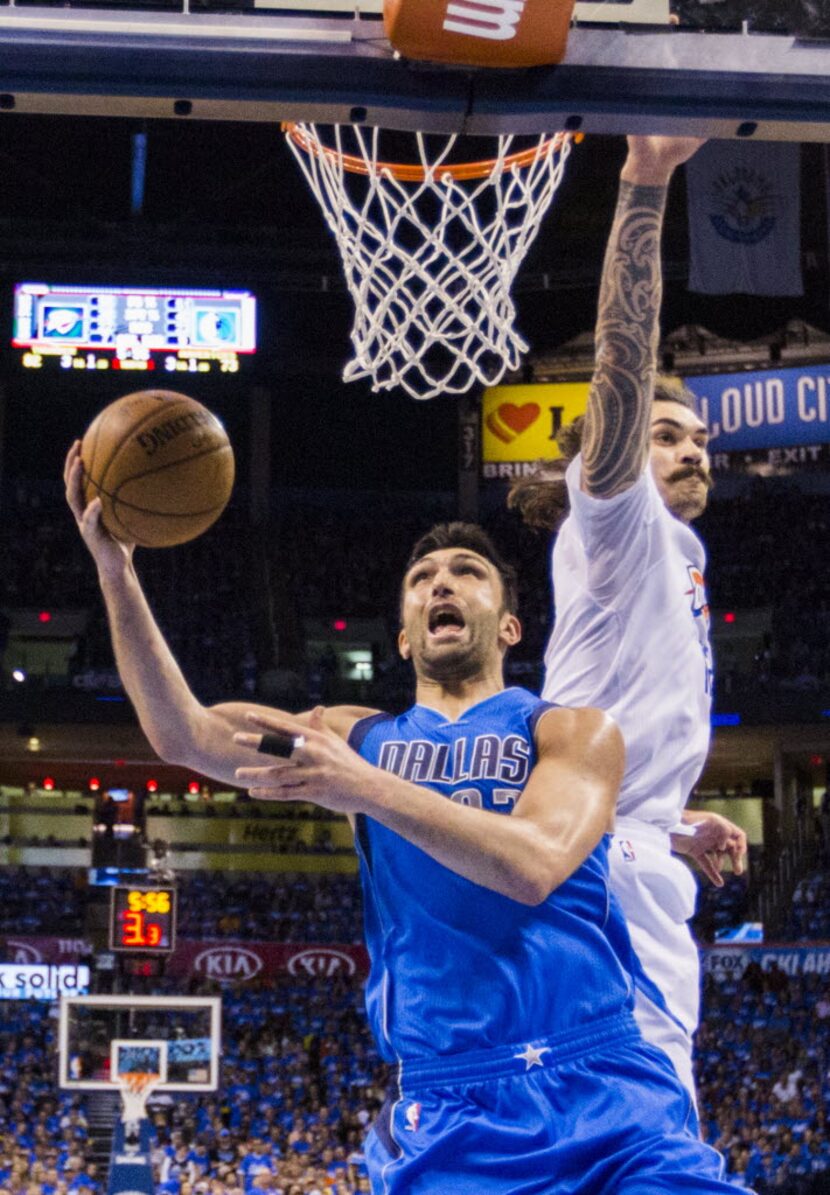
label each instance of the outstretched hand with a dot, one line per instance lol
(715, 840)
(652, 160)
(323, 769)
(110, 554)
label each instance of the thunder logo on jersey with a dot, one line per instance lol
(700, 604)
(700, 609)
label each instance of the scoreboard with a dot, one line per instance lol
(142, 920)
(138, 329)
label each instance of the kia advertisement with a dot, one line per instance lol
(241, 962)
(218, 959)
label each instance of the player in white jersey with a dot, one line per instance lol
(631, 630)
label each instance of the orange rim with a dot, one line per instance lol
(138, 1081)
(409, 172)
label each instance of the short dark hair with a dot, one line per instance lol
(474, 539)
(668, 388)
(542, 497)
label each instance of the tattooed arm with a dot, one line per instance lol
(615, 436)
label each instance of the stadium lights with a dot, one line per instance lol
(18, 675)
(193, 787)
(152, 786)
(48, 784)
(93, 784)
(44, 616)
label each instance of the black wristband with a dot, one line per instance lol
(278, 743)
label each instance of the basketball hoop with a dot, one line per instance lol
(136, 1088)
(430, 250)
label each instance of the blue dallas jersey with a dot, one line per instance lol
(455, 966)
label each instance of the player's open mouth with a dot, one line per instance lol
(445, 621)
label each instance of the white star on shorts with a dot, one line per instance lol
(532, 1055)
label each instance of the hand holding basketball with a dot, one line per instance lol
(159, 464)
(110, 554)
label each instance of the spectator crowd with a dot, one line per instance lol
(235, 604)
(301, 1079)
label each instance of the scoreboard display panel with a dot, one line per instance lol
(138, 329)
(142, 920)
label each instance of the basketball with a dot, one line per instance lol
(162, 466)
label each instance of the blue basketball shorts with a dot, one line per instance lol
(592, 1112)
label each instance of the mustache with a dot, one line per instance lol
(692, 471)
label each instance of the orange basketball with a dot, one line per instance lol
(162, 466)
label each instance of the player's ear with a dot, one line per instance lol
(510, 630)
(403, 645)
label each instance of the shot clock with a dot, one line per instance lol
(142, 920)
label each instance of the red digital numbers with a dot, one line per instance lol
(138, 931)
(142, 920)
(132, 933)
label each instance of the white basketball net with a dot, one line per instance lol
(430, 259)
(135, 1091)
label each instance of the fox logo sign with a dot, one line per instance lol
(508, 33)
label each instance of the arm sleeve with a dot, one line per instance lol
(621, 536)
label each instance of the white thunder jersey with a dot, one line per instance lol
(631, 637)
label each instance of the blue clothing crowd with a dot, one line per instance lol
(302, 1081)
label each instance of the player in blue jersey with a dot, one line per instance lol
(482, 818)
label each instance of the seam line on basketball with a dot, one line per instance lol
(141, 424)
(215, 448)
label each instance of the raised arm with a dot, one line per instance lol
(563, 811)
(615, 435)
(180, 729)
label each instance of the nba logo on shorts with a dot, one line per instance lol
(413, 1118)
(627, 850)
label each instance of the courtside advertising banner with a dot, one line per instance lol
(220, 959)
(226, 961)
(772, 408)
(779, 416)
(732, 961)
(519, 425)
(48, 981)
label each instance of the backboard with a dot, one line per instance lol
(103, 1037)
(640, 66)
(133, 1056)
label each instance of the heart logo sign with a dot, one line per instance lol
(509, 421)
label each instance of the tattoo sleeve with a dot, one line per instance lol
(615, 436)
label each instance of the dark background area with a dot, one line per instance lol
(225, 205)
